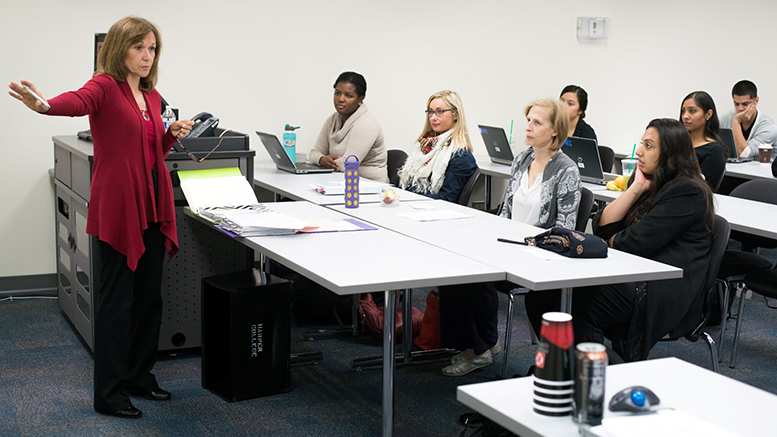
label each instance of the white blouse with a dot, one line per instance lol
(526, 201)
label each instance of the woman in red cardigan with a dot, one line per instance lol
(131, 208)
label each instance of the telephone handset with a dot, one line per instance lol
(204, 124)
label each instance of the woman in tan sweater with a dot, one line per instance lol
(351, 130)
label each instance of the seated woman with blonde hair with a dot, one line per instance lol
(441, 161)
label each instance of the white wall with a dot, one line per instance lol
(260, 64)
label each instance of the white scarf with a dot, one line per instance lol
(427, 171)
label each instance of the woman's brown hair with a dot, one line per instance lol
(121, 36)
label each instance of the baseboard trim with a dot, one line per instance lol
(45, 284)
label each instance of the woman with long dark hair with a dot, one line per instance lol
(575, 99)
(700, 117)
(666, 215)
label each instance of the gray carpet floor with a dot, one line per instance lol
(46, 383)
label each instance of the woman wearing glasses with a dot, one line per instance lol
(441, 161)
(130, 208)
(352, 130)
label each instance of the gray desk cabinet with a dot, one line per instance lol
(202, 252)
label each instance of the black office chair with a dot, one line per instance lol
(737, 263)
(586, 204)
(466, 192)
(763, 282)
(583, 212)
(396, 159)
(722, 231)
(607, 156)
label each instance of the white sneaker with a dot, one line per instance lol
(464, 366)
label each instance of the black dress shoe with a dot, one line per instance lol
(154, 395)
(126, 413)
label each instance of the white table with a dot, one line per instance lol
(490, 170)
(363, 261)
(751, 217)
(749, 170)
(476, 237)
(297, 186)
(714, 398)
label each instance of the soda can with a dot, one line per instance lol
(590, 365)
(553, 362)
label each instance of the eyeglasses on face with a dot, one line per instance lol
(437, 112)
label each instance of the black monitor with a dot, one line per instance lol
(99, 38)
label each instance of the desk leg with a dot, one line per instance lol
(407, 325)
(389, 324)
(487, 184)
(355, 315)
(566, 300)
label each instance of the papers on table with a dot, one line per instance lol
(212, 193)
(663, 422)
(256, 224)
(335, 188)
(344, 225)
(431, 216)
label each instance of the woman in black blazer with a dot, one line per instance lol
(666, 215)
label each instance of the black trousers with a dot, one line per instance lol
(127, 319)
(469, 316)
(596, 311)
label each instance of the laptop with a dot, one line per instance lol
(282, 160)
(497, 145)
(728, 142)
(585, 153)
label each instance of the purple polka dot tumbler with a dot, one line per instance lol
(351, 182)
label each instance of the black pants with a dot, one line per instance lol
(596, 311)
(469, 316)
(127, 319)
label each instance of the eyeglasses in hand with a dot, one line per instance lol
(191, 155)
(437, 112)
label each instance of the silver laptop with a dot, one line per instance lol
(282, 160)
(731, 146)
(585, 153)
(497, 145)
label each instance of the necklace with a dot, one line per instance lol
(145, 115)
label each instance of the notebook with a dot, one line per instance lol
(585, 153)
(282, 160)
(497, 145)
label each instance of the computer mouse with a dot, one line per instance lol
(636, 398)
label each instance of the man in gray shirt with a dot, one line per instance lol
(751, 127)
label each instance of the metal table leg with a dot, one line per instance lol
(389, 324)
(407, 324)
(566, 300)
(487, 184)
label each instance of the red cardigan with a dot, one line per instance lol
(121, 201)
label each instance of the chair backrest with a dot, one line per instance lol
(759, 190)
(607, 156)
(396, 159)
(722, 231)
(467, 190)
(584, 210)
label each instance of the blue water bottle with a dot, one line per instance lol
(290, 142)
(351, 182)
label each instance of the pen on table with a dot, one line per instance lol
(505, 240)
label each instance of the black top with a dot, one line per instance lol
(673, 232)
(712, 160)
(461, 166)
(584, 130)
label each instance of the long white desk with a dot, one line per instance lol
(721, 401)
(297, 186)
(361, 262)
(755, 218)
(749, 170)
(475, 237)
